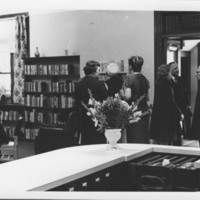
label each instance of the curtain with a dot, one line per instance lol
(20, 53)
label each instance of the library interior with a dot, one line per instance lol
(68, 78)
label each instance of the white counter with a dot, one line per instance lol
(27, 177)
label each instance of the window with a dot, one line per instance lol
(14, 46)
(7, 48)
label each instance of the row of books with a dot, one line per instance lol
(42, 117)
(10, 131)
(48, 86)
(62, 69)
(9, 115)
(30, 134)
(62, 101)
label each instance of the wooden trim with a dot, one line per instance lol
(159, 56)
(12, 74)
(13, 15)
(198, 49)
(182, 35)
(28, 35)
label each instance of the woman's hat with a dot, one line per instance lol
(112, 69)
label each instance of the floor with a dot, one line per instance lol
(26, 148)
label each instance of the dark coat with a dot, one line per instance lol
(3, 137)
(114, 85)
(139, 86)
(165, 113)
(89, 133)
(195, 129)
(182, 101)
(180, 94)
(96, 86)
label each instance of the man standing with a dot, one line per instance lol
(181, 99)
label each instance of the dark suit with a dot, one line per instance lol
(195, 129)
(89, 133)
(180, 93)
(180, 96)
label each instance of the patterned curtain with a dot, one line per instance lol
(20, 53)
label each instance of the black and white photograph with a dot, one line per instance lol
(99, 100)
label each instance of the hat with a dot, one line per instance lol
(112, 69)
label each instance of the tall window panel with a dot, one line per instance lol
(14, 46)
(7, 48)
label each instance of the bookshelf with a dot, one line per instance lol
(9, 115)
(49, 84)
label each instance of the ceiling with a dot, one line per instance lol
(189, 44)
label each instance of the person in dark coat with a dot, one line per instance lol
(182, 101)
(89, 133)
(138, 132)
(165, 111)
(115, 82)
(195, 128)
(4, 139)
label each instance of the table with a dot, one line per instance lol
(29, 177)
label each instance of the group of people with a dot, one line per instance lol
(170, 106)
(136, 81)
(164, 124)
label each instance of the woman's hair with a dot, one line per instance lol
(91, 67)
(136, 63)
(163, 71)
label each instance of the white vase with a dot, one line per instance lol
(112, 136)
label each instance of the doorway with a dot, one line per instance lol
(186, 53)
(184, 29)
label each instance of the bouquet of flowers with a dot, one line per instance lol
(112, 113)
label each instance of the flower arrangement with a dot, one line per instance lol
(112, 113)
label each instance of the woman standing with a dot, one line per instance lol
(165, 112)
(89, 133)
(139, 85)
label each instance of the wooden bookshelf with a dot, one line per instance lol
(49, 86)
(9, 115)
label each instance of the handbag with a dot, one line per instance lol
(126, 93)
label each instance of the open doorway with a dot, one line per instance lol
(184, 27)
(186, 53)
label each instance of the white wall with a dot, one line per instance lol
(99, 35)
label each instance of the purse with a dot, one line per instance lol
(126, 93)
